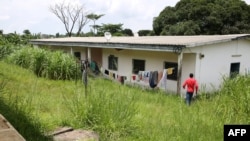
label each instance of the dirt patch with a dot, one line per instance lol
(69, 134)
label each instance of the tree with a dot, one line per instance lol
(70, 15)
(196, 17)
(144, 32)
(166, 17)
(112, 28)
(127, 32)
(94, 17)
(26, 32)
(82, 21)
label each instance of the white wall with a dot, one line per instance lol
(217, 60)
(154, 61)
(244, 50)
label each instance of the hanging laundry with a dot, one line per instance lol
(106, 72)
(94, 67)
(110, 74)
(121, 79)
(153, 79)
(160, 74)
(145, 76)
(163, 81)
(133, 77)
(170, 71)
(140, 73)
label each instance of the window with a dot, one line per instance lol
(173, 65)
(138, 65)
(234, 69)
(77, 55)
(113, 62)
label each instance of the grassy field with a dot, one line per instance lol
(36, 106)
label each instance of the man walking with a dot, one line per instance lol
(192, 86)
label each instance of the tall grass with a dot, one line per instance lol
(118, 112)
(110, 113)
(44, 63)
(235, 95)
(17, 107)
(64, 103)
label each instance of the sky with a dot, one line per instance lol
(34, 15)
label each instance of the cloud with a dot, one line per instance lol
(4, 17)
(136, 14)
(23, 14)
(18, 15)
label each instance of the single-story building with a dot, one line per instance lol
(208, 57)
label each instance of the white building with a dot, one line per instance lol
(208, 57)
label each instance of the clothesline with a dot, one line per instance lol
(155, 78)
(113, 75)
(152, 78)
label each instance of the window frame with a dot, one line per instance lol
(77, 54)
(173, 65)
(112, 62)
(234, 69)
(140, 68)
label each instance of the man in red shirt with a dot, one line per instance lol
(192, 86)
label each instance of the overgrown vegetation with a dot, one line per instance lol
(8, 44)
(44, 63)
(117, 112)
(236, 94)
(48, 104)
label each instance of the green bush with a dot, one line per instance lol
(4, 51)
(21, 57)
(39, 61)
(44, 63)
(6, 48)
(62, 66)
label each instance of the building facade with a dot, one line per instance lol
(209, 58)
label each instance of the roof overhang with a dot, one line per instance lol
(130, 46)
(146, 43)
(195, 44)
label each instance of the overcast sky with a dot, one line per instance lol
(34, 15)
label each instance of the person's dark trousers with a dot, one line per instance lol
(189, 96)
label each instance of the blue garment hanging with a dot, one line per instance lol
(153, 79)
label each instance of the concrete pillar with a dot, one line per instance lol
(71, 51)
(180, 57)
(89, 54)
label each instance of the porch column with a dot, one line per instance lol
(180, 57)
(89, 54)
(71, 51)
